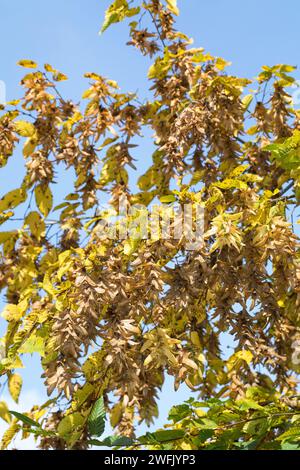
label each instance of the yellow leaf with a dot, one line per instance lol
(247, 100)
(130, 247)
(116, 415)
(36, 224)
(170, 356)
(47, 285)
(34, 344)
(29, 146)
(10, 434)
(245, 355)
(15, 385)
(28, 64)
(4, 236)
(13, 102)
(44, 199)
(221, 63)
(59, 77)
(70, 424)
(172, 5)
(231, 183)
(94, 364)
(195, 339)
(2, 352)
(4, 412)
(24, 128)
(88, 93)
(11, 312)
(93, 76)
(148, 360)
(11, 364)
(188, 362)
(81, 396)
(186, 446)
(49, 68)
(200, 412)
(236, 359)
(12, 199)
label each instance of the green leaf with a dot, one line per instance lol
(248, 404)
(293, 433)
(257, 426)
(96, 421)
(25, 419)
(113, 441)
(287, 154)
(290, 446)
(118, 441)
(179, 412)
(162, 436)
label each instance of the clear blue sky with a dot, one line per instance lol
(64, 33)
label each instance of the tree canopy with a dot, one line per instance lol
(111, 316)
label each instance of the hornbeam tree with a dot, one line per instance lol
(111, 316)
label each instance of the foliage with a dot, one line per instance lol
(109, 316)
(260, 420)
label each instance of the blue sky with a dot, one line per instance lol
(64, 33)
